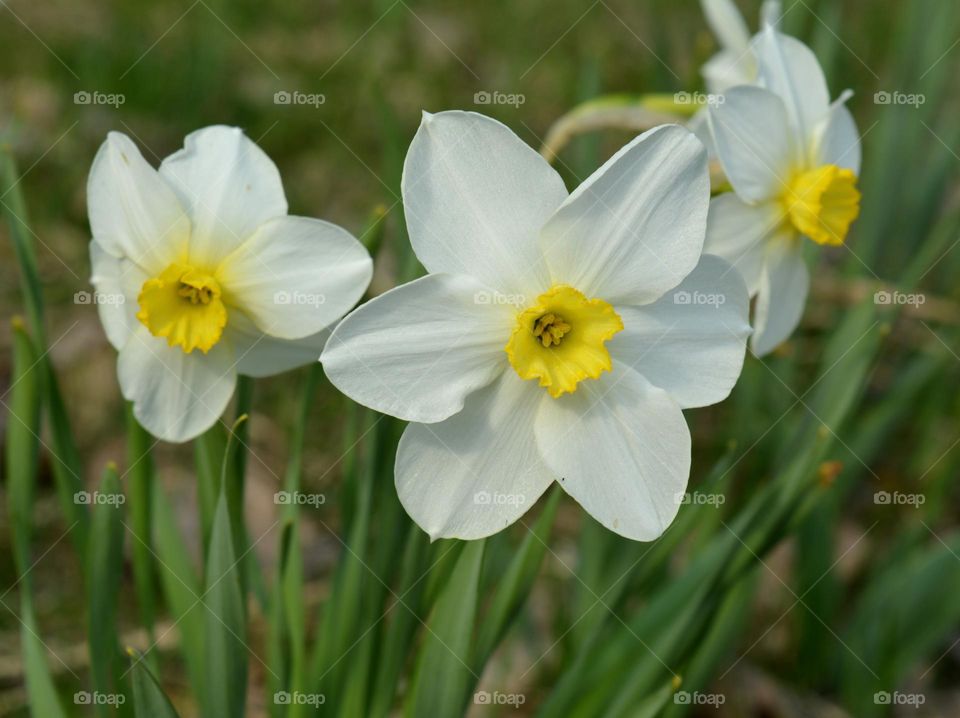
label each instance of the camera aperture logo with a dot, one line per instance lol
(295, 97)
(496, 698)
(298, 299)
(699, 299)
(487, 498)
(111, 99)
(695, 698)
(896, 298)
(85, 297)
(914, 100)
(299, 498)
(898, 498)
(298, 698)
(95, 498)
(884, 698)
(85, 698)
(698, 98)
(513, 99)
(499, 298)
(698, 499)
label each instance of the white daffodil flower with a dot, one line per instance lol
(793, 159)
(555, 336)
(200, 274)
(735, 63)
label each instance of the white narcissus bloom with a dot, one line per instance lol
(793, 159)
(555, 336)
(201, 275)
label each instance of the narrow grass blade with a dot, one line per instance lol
(149, 700)
(140, 480)
(105, 563)
(181, 587)
(21, 450)
(224, 621)
(443, 674)
(513, 587)
(67, 467)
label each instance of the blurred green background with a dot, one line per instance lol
(840, 597)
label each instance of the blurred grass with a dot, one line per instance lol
(874, 580)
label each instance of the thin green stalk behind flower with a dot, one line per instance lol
(106, 572)
(65, 459)
(21, 449)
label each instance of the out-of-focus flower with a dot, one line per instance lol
(793, 159)
(735, 63)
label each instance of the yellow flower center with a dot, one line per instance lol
(560, 340)
(183, 304)
(823, 203)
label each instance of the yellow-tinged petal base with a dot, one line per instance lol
(183, 305)
(823, 203)
(560, 340)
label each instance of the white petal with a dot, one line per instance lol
(260, 355)
(729, 68)
(477, 472)
(737, 232)
(176, 396)
(417, 351)
(727, 24)
(622, 449)
(116, 283)
(699, 126)
(133, 213)
(771, 13)
(753, 142)
(837, 140)
(691, 342)
(636, 226)
(783, 293)
(475, 197)
(791, 70)
(296, 275)
(229, 187)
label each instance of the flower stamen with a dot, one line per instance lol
(560, 340)
(183, 305)
(823, 203)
